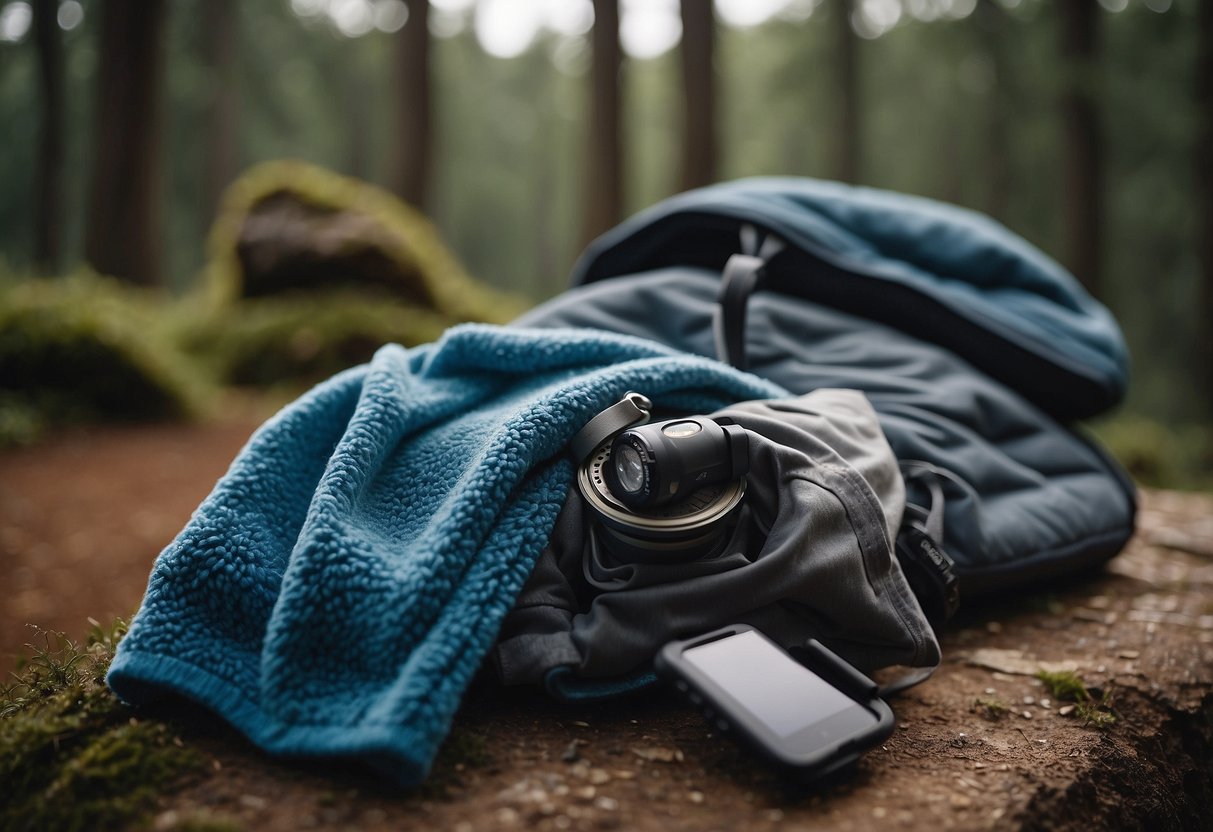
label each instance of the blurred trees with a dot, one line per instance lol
(603, 195)
(965, 101)
(992, 22)
(220, 50)
(411, 153)
(1082, 197)
(1203, 164)
(697, 55)
(124, 213)
(848, 133)
(48, 186)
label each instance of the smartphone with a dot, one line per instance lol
(811, 717)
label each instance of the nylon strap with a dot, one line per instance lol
(633, 409)
(743, 275)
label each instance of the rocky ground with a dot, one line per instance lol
(983, 744)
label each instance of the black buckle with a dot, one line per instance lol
(930, 573)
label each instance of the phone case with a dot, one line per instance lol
(739, 723)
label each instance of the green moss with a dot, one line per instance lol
(301, 338)
(413, 262)
(991, 709)
(72, 757)
(1098, 716)
(464, 749)
(309, 272)
(20, 421)
(1064, 684)
(1160, 455)
(86, 349)
(198, 822)
(1068, 686)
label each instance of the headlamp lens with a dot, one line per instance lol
(629, 468)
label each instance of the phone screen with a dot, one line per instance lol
(781, 693)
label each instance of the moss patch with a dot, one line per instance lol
(301, 338)
(309, 272)
(289, 225)
(72, 757)
(88, 349)
(991, 709)
(1094, 711)
(1160, 455)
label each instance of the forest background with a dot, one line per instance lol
(525, 127)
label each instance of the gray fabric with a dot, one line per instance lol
(810, 557)
(1026, 498)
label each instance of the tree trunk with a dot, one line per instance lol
(221, 48)
(48, 182)
(1204, 191)
(1083, 159)
(414, 115)
(357, 107)
(848, 148)
(991, 21)
(699, 91)
(124, 216)
(604, 159)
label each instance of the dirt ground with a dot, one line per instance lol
(981, 745)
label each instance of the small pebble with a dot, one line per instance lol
(607, 804)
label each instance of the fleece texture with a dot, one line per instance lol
(340, 586)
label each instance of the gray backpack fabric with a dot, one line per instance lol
(975, 351)
(810, 556)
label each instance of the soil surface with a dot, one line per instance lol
(981, 745)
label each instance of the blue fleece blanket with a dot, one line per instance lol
(335, 593)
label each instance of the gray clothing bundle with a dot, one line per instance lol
(810, 556)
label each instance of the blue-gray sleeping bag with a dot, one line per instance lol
(976, 350)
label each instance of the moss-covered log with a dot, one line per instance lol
(88, 349)
(288, 225)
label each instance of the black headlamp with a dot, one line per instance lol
(655, 464)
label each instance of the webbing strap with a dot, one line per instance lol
(633, 409)
(743, 275)
(928, 568)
